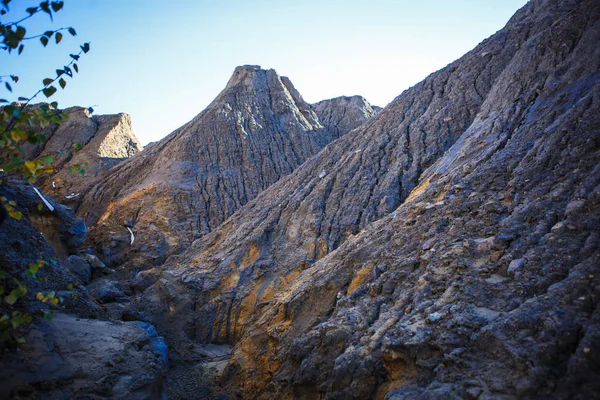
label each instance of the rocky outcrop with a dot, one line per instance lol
(256, 131)
(79, 353)
(449, 248)
(103, 142)
(342, 114)
(83, 147)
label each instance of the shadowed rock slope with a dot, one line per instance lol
(79, 353)
(480, 279)
(256, 131)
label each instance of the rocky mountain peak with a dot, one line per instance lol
(342, 114)
(257, 130)
(253, 90)
(249, 75)
(447, 247)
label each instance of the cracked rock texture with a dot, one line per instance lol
(447, 248)
(256, 131)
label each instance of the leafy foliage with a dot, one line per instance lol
(11, 290)
(22, 125)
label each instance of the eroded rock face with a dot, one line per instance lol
(101, 141)
(356, 180)
(342, 114)
(255, 132)
(494, 162)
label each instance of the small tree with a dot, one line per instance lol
(21, 124)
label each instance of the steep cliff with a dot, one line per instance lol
(256, 131)
(478, 278)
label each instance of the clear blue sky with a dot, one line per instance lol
(164, 61)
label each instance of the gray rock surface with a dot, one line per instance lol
(342, 114)
(73, 357)
(325, 287)
(79, 267)
(106, 289)
(256, 131)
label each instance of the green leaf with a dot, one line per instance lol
(49, 91)
(23, 99)
(21, 47)
(90, 110)
(12, 297)
(14, 78)
(32, 10)
(48, 316)
(40, 207)
(59, 72)
(76, 68)
(74, 57)
(21, 340)
(58, 37)
(62, 83)
(70, 286)
(8, 87)
(72, 32)
(85, 47)
(48, 34)
(34, 267)
(44, 40)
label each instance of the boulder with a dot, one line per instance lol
(105, 289)
(79, 267)
(73, 357)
